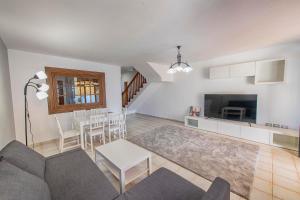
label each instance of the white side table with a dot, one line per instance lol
(120, 156)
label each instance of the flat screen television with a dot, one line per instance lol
(238, 107)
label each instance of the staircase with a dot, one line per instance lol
(135, 85)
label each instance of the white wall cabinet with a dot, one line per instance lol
(265, 71)
(242, 69)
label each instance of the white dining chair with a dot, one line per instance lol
(123, 122)
(68, 139)
(99, 111)
(96, 129)
(114, 125)
(78, 115)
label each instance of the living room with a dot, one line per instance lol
(190, 100)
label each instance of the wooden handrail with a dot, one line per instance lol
(132, 88)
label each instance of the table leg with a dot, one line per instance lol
(82, 137)
(149, 165)
(122, 182)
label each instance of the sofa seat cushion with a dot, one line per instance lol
(74, 176)
(25, 158)
(16, 183)
(163, 185)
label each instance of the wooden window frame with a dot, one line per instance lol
(54, 107)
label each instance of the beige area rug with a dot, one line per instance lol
(207, 155)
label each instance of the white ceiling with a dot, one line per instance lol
(127, 32)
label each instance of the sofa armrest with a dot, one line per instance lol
(219, 190)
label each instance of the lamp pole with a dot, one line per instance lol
(26, 106)
(40, 93)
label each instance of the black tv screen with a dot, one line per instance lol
(238, 107)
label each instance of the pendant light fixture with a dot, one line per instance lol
(179, 66)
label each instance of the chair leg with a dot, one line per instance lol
(103, 137)
(62, 144)
(59, 144)
(92, 144)
(109, 136)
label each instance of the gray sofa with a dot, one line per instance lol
(27, 175)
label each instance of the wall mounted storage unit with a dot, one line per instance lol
(265, 72)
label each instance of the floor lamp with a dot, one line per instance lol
(41, 94)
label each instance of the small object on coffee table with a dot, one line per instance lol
(120, 157)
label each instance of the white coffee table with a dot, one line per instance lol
(120, 156)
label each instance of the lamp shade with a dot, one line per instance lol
(171, 71)
(187, 69)
(44, 87)
(41, 75)
(41, 95)
(178, 67)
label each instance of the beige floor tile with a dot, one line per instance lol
(186, 174)
(286, 183)
(287, 164)
(259, 195)
(293, 175)
(285, 194)
(263, 174)
(158, 160)
(201, 182)
(266, 160)
(262, 185)
(234, 196)
(264, 166)
(171, 166)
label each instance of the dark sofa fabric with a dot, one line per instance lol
(219, 190)
(74, 176)
(16, 184)
(25, 158)
(164, 185)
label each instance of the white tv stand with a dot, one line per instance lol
(285, 138)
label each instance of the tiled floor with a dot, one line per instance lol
(277, 174)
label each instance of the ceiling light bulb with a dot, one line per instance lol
(178, 68)
(171, 71)
(41, 95)
(44, 87)
(187, 69)
(41, 75)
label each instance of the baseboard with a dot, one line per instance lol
(165, 118)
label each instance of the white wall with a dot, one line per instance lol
(276, 103)
(24, 65)
(7, 131)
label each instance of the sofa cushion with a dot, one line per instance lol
(163, 185)
(25, 158)
(16, 183)
(73, 175)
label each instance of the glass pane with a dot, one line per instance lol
(97, 90)
(74, 90)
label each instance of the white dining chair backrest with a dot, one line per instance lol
(79, 114)
(114, 119)
(124, 112)
(61, 132)
(97, 121)
(99, 111)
